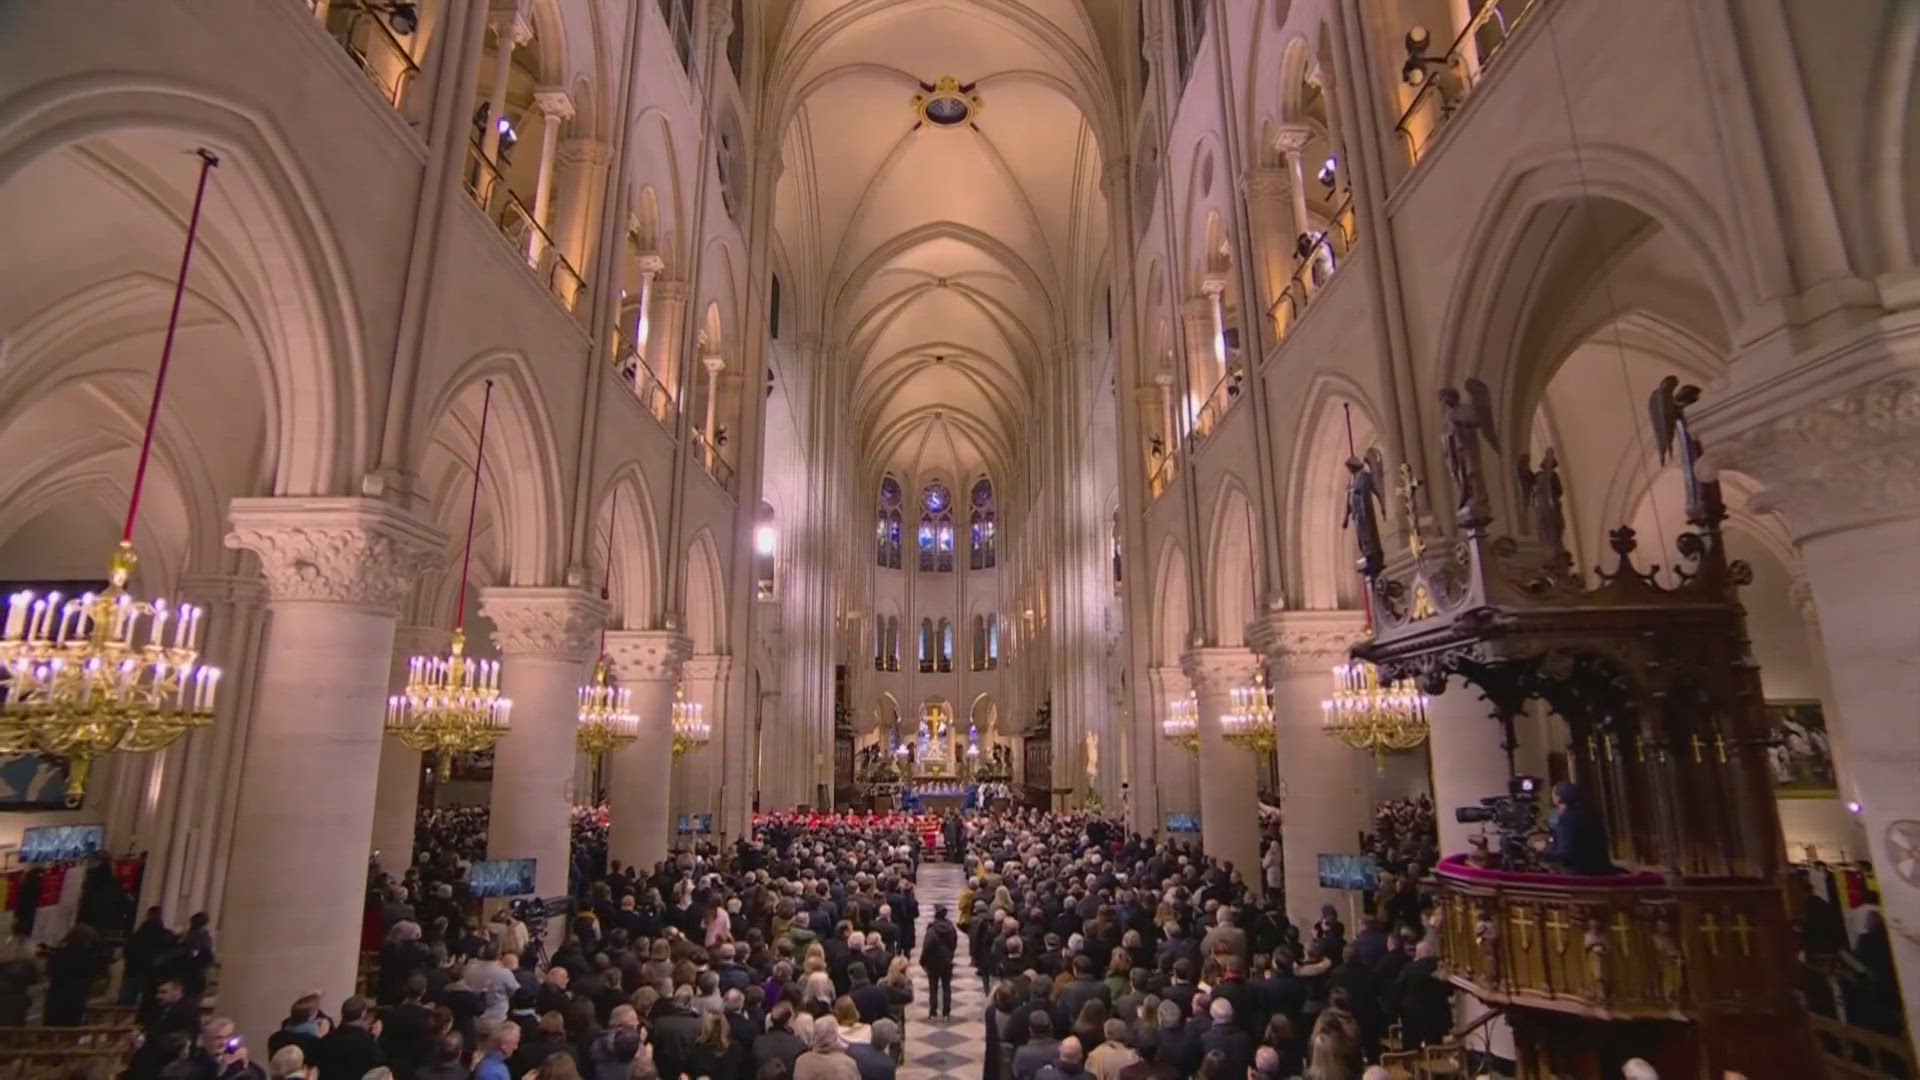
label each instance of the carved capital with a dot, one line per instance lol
(553, 623)
(1292, 138)
(1213, 286)
(669, 291)
(1850, 460)
(641, 656)
(1217, 671)
(554, 104)
(360, 552)
(512, 25)
(707, 668)
(597, 153)
(651, 263)
(1305, 642)
(1266, 182)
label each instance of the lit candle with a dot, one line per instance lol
(17, 606)
(157, 633)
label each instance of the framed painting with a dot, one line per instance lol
(1800, 755)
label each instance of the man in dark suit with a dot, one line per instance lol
(1225, 1036)
(351, 1050)
(406, 1030)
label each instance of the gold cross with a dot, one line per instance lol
(1557, 928)
(1720, 747)
(1523, 922)
(1593, 752)
(1698, 745)
(1742, 929)
(1608, 739)
(1710, 929)
(1623, 931)
(1408, 489)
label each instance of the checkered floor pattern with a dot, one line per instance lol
(951, 1049)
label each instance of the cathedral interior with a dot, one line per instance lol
(679, 415)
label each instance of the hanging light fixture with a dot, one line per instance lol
(452, 703)
(1365, 715)
(100, 672)
(1182, 725)
(1249, 723)
(690, 730)
(607, 723)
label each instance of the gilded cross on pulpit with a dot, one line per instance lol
(1557, 931)
(1522, 920)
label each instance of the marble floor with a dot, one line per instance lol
(954, 1048)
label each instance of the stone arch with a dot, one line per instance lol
(1233, 563)
(306, 314)
(1172, 621)
(626, 538)
(1320, 572)
(705, 617)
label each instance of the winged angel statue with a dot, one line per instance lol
(1468, 421)
(1365, 503)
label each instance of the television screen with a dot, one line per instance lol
(1355, 872)
(501, 877)
(58, 843)
(696, 824)
(1183, 823)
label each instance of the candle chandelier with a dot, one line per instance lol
(1182, 725)
(607, 723)
(690, 730)
(1248, 724)
(104, 672)
(1365, 715)
(452, 704)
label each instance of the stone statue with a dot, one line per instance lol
(1093, 759)
(1364, 504)
(1668, 409)
(1468, 421)
(1545, 496)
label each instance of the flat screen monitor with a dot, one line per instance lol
(59, 843)
(501, 877)
(1183, 823)
(695, 824)
(1354, 872)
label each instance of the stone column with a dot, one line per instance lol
(1292, 142)
(1468, 763)
(396, 803)
(555, 108)
(1175, 792)
(1840, 472)
(1273, 228)
(1325, 800)
(640, 787)
(544, 635)
(713, 364)
(510, 30)
(666, 321)
(697, 775)
(204, 786)
(650, 267)
(581, 173)
(337, 570)
(1229, 785)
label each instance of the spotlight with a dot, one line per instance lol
(402, 15)
(1854, 807)
(763, 539)
(1328, 172)
(1414, 71)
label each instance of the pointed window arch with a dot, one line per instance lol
(993, 642)
(981, 526)
(979, 643)
(926, 645)
(946, 645)
(880, 643)
(887, 525)
(936, 529)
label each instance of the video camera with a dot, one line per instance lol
(1515, 816)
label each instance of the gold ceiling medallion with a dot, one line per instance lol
(946, 103)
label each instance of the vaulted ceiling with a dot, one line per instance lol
(947, 260)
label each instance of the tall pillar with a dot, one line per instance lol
(1292, 142)
(1273, 228)
(204, 786)
(555, 108)
(1839, 471)
(640, 785)
(544, 635)
(510, 31)
(582, 167)
(697, 775)
(650, 267)
(1229, 784)
(666, 321)
(1176, 790)
(713, 364)
(1325, 800)
(396, 804)
(337, 570)
(1468, 763)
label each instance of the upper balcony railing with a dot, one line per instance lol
(710, 460)
(1313, 268)
(1162, 476)
(641, 379)
(1221, 400)
(515, 222)
(1444, 81)
(367, 36)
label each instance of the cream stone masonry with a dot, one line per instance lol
(359, 552)
(397, 801)
(1229, 795)
(640, 784)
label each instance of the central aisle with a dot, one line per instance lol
(953, 1049)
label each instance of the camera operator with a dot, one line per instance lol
(1579, 843)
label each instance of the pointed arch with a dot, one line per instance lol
(706, 614)
(1172, 623)
(1232, 562)
(627, 538)
(1320, 565)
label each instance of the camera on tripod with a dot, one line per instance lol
(1515, 817)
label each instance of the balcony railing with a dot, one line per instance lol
(1225, 394)
(1162, 476)
(515, 222)
(370, 42)
(642, 380)
(1312, 270)
(710, 460)
(1446, 80)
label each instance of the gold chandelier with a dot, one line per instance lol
(105, 672)
(607, 723)
(1365, 715)
(1248, 724)
(452, 704)
(690, 729)
(1182, 725)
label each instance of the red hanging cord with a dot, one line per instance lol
(473, 506)
(207, 163)
(606, 579)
